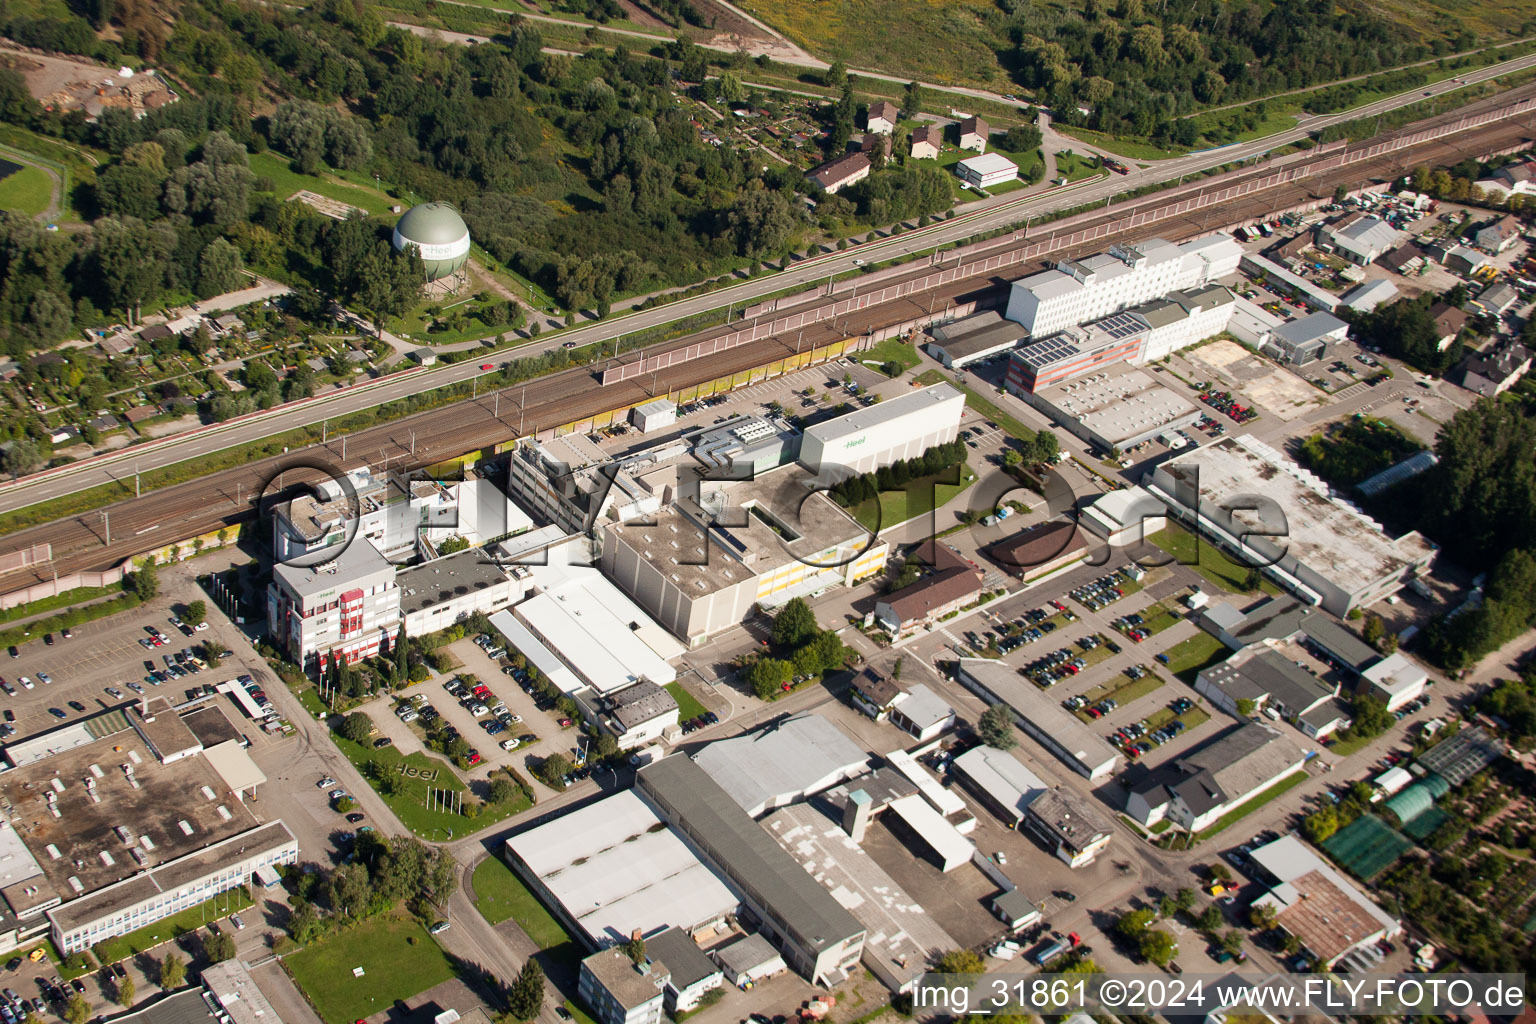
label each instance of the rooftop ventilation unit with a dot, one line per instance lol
(75, 884)
(185, 826)
(224, 812)
(107, 859)
(53, 852)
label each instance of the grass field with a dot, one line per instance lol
(500, 896)
(920, 497)
(122, 947)
(27, 191)
(687, 706)
(1122, 688)
(1208, 560)
(893, 350)
(947, 43)
(982, 405)
(287, 181)
(1187, 658)
(409, 796)
(1129, 148)
(398, 958)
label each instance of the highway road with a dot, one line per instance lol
(983, 216)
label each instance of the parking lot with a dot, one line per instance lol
(103, 663)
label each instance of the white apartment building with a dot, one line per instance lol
(864, 440)
(622, 992)
(348, 607)
(1081, 290)
(1183, 318)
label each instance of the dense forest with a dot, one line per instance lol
(1137, 66)
(584, 174)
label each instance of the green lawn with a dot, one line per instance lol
(500, 895)
(1187, 658)
(1157, 617)
(1131, 148)
(286, 182)
(893, 350)
(1075, 166)
(398, 958)
(1195, 716)
(110, 951)
(1010, 425)
(687, 705)
(408, 798)
(27, 191)
(919, 498)
(1208, 560)
(1244, 809)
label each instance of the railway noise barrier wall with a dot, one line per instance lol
(25, 558)
(1325, 158)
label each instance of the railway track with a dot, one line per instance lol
(99, 540)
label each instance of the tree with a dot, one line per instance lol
(912, 98)
(197, 612)
(1013, 457)
(1246, 706)
(1220, 872)
(1232, 942)
(356, 727)
(219, 269)
(634, 949)
(1210, 919)
(960, 961)
(1262, 915)
(1134, 923)
(794, 624)
(401, 652)
(502, 791)
(125, 991)
(22, 457)
(553, 770)
(1022, 138)
(1185, 898)
(78, 1011)
(173, 971)
(221, 946)
(1321, 823)
(996, 727)
(527, 995)
(768, 674)
(144, 582)
(1158, 946)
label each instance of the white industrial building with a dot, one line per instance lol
(864, 440)
(1252, 324)
(783, 762)
(1324, 550)
(1042, 719)
(654, 415)
(583, 632)
(973, 339)
(139, 818)
(1367, 296)
(1125, 517)
(1115, 408)
(1000, 781)
(391, 511)
(1361, 239)
(816, 934)
(1078, 291)
(701, 566)
(1396, 680)
(986, 170)
(446, 590)
(1199, 787)
(1313, 902)
(901, 938)
(1303, 341)
(1069, 825)
(613, 868)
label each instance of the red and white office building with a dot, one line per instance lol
(348, 607)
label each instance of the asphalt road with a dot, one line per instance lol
(979, 217)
